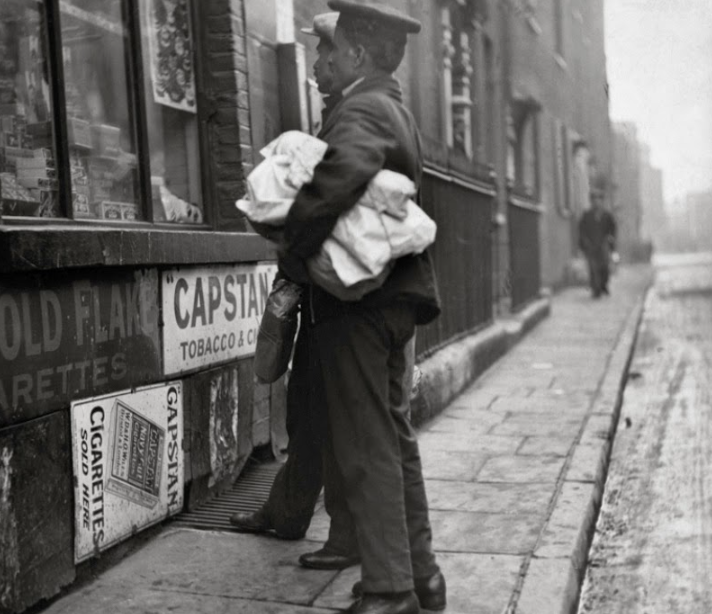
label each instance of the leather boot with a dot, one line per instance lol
(329, 559)
(386, 603)
(252, 522)
(431, 591)
(259, 522)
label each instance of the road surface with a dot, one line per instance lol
(652, 552)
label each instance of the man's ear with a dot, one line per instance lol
(359, 52)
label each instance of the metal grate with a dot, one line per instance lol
(248, 493)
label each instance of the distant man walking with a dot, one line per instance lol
(597, 240)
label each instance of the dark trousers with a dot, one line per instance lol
(375, 448)
(598, 272)
(296, 487)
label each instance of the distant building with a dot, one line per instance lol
(627, 199)
(654, 222)
(698, 212)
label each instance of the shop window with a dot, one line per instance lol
(171, 111)
(28, 176)
(130, 145)
(101, 131)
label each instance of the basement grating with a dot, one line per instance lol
(248, 494)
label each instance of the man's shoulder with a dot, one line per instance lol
(368, 100)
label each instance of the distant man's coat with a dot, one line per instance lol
(597, 237)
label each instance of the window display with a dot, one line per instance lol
(101, 129)
(28, 179)
(167, 44)
(95, 49)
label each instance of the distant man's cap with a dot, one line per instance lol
(368, 9)
(323, 26)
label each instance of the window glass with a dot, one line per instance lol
(28, 179)
(171, 110)
(100, 126)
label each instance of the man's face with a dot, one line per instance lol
(322, 68)
(597, 201)
(343, 62)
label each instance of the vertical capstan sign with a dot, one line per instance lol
(128, 464)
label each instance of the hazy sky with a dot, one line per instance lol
(660, 75)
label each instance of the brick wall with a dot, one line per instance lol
(226, 96)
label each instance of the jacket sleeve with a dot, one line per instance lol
(358, 143)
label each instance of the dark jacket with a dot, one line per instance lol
(368, 130)
(597, 233)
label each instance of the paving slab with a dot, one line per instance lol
(522, 469)
(273, 573)
(550, 587)
(447, 465)
(534, 427)
(566, 535)
(483, 497)
(588, 462)
(479, 583)
(141, 600)
(549, 446)
(485, 532)
(479, 423)
(470, 441)
(542, 405)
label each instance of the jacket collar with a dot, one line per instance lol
(387, 84)
(384, 83)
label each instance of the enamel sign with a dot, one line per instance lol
(128, 464)
(212, 315)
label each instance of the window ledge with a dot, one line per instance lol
(42, 248)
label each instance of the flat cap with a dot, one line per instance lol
(369, 9)
(323, 26)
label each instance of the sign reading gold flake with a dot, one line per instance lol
(128, 464)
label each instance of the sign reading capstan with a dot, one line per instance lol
(128, 464)
(212, 315)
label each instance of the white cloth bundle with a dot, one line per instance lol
(272, 185)
(385, 223)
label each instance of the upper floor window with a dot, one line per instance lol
(98, 111)
(459, 21)
(562, 169)
(523, 146)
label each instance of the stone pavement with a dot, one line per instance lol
(514, 467)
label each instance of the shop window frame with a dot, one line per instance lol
(31, 244)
